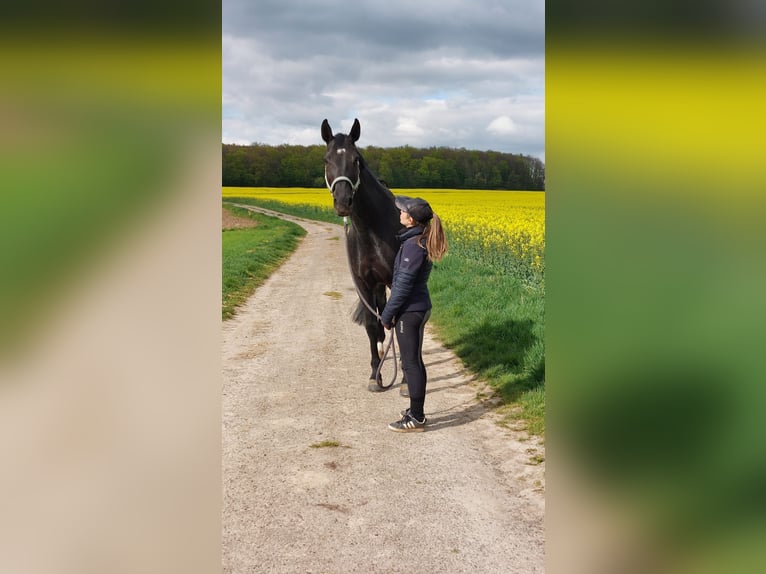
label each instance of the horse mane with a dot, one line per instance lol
(373, 178)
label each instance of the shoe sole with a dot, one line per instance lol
(395, 428)
(414, 429)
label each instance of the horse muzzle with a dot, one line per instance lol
(343, 197)
(342, 209)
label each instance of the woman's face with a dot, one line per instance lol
(405, 219)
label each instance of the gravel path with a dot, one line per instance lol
(463, 496)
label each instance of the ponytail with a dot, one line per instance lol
(436, 241)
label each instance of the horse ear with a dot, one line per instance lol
(326, 131)
(356, 130)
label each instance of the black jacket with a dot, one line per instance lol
(409, 286)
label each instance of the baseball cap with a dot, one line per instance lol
(418, 208)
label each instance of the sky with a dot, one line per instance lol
(457, 73)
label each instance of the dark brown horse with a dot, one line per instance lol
(373, 223)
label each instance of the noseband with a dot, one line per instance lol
(354, 186)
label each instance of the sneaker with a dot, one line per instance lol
(408, 423)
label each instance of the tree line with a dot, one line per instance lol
(261, 165)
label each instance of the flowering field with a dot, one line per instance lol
(504, 229)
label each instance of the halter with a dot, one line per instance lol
(354, 186)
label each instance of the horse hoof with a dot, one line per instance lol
(380, 350)
(374, 387)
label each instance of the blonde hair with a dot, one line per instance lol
(435, 240)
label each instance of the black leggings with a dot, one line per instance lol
(409, 334)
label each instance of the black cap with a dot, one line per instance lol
(418, 209)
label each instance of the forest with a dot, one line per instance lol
(261, 165)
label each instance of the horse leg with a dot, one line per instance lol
(376, 336)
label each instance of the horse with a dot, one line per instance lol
(372, 225)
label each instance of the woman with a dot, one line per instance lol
(409, 305)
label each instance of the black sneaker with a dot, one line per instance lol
(408, 423)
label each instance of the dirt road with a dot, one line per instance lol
(461, 497)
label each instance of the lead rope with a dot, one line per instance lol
(390, 345)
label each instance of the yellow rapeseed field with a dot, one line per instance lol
(504, 228)
(292, 195)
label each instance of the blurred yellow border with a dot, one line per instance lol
(142, 69)
(686, 115)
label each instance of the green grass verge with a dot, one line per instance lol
(299, 210)
(495, 323)
(251, 254)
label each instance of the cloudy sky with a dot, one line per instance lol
(458, 73)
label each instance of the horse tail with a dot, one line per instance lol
(360, 314)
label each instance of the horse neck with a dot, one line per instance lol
(374, 207)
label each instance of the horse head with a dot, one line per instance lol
(342, 166)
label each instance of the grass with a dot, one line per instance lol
(325, 444)
(306, 211)
(495, 323)
(334, 295)
(250, 255)
(532, 404)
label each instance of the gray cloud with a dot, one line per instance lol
(460, 73)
